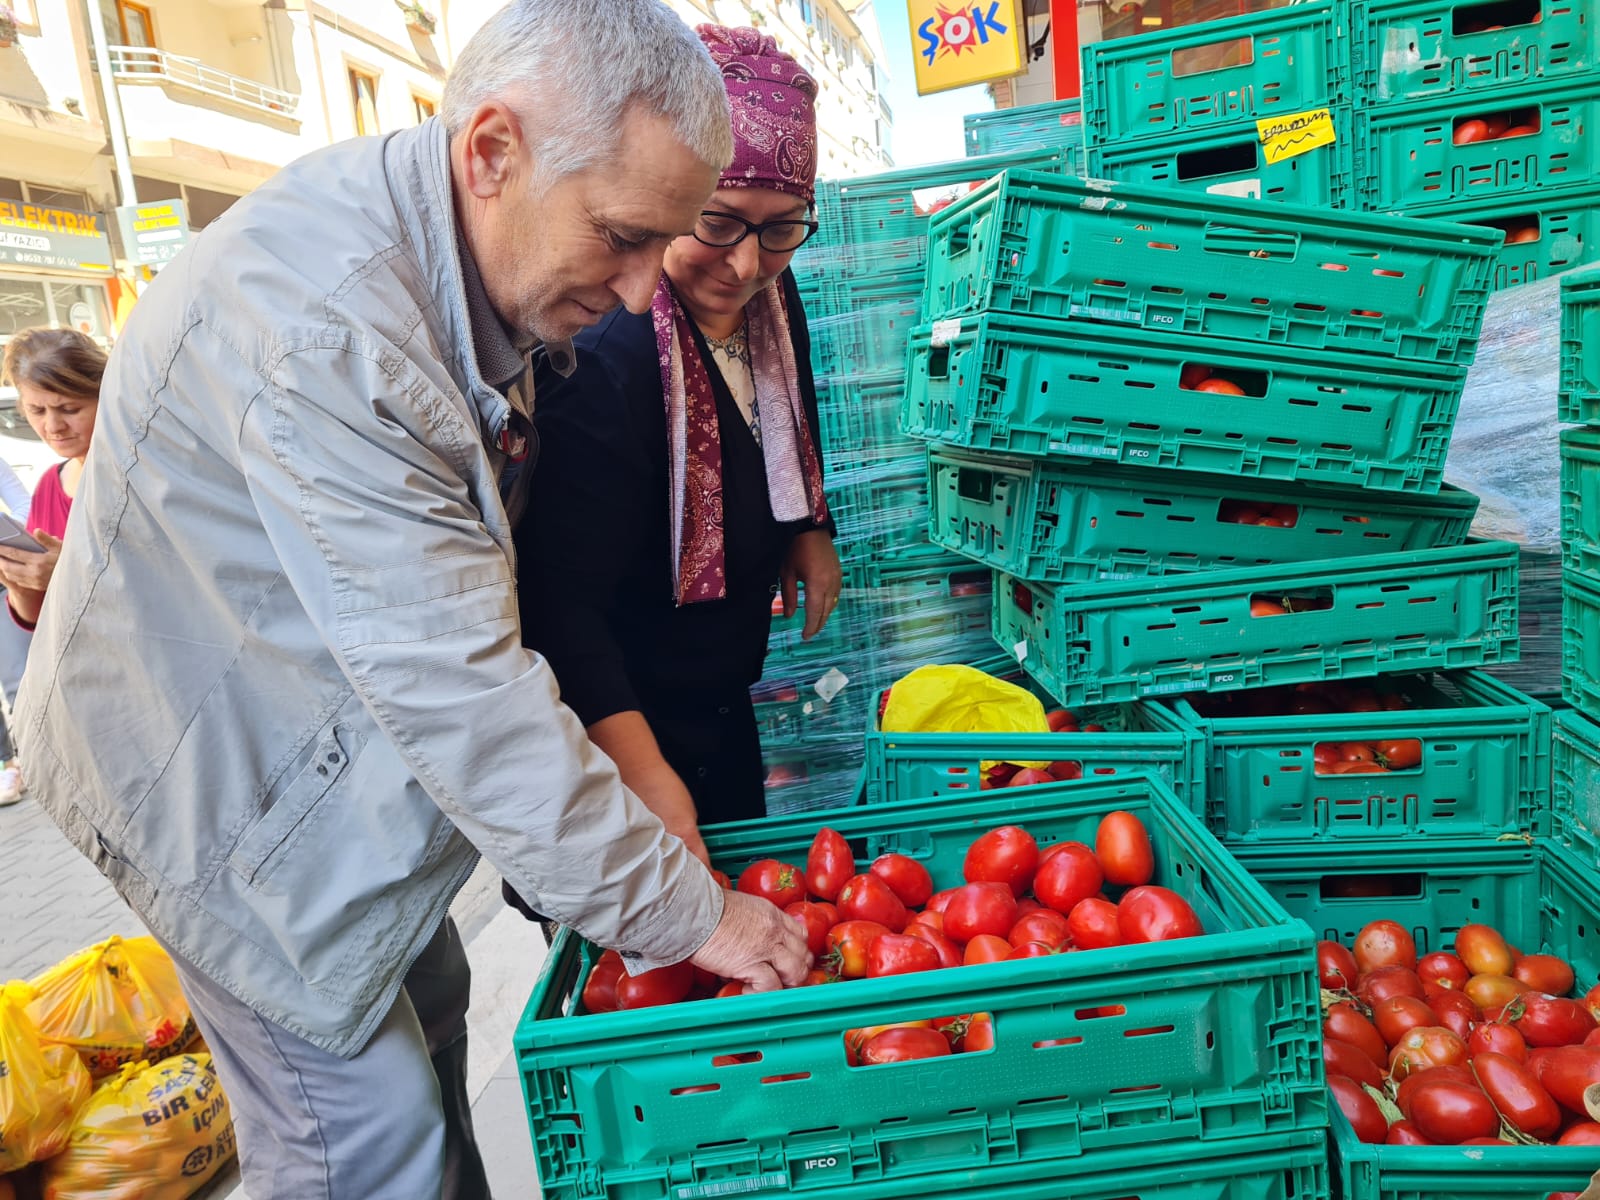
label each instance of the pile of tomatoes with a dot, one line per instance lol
(1016, 900)
(1304, 699)
(1479, 1046)
(1495, 127)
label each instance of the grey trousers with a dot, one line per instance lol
(392, 1123)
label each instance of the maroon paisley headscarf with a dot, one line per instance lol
(775, 146)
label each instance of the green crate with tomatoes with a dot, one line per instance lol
(1442, 609)
(1576, 784)
(1171, 1050)
(1513, 917)
(1457, 754)
(1580, 344)
(1545, 231)
(1071, 521)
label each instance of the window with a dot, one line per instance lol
(364, 98)
(138, 27)
(805, 11)
(423, 106)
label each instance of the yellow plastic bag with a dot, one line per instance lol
(150, 1133)
(42, 1085)
(957, 699)
(115, 1003)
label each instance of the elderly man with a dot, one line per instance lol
(278, 693)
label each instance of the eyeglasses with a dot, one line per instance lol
(722, 230)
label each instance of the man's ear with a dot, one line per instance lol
(491, 147)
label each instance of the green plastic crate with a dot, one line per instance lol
(813, 777)
(1580, 344)
(861, 422)
(1576, 789)
(1008, 130)
(1541, 898)
(1580, 500)
(1411, 49)
(1580, 642)
(868, 337)
(1184, 262)
(1405, 154)
(1101, 642)
(1022, 385)
(1193, 1045)
(882, 507)
(1485, 768)
(949, 766)
(1548, 230)
(1196, 77)
(1062, 522)
(1229, 161)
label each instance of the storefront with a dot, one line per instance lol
(55, 261)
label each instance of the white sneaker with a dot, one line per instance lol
(12, 788)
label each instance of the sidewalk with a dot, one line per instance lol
(53, 902)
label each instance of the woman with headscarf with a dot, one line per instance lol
(679, 485)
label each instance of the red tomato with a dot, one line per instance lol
(775, 881)
(1423, 1048)
(1336, 966)
(1520, 131)
(1517, 1094)
(1341, 1058)
(1007, 855)
(986, 948)
(1402, 1096)
(939, 900)
(1444, 968)
(1345, 1022)
(1551, 1020)
(1584, 1133)
(600, 989)
(829, 864)
(1384, 944)
(1360, 1109)
(847, 948)
(1061, 720)
(1029, 905)
(1404, 1133)
(1565, 1072)
(1544, 973)
(663, 985)
(1156, 914)
(1493, 991)
(1122, 844)
(1222, 387)
(1398, 754)
(933, 920)
(1493, 1038)
(1521, 235)
(869, 898)
(979, 1035)
(1094, 924)
(949, 952)
(1260, 606)
(1592, 1038)
(906, 877)
(980, 908)
(817, 975)
(730, 988)
(1398, 1014)
(722, 879)
(1472, 130)
(904, 1045)
(1450, 1113)
(1384, 982)
(1045, 926)
(1192, 375)
(1591, 1000)
(1484, 951)
(1065, 770)
(1069, 873)
(817, 917)
(1033, 950)
(1029, 776)
(1456, 1012)
(897, 954)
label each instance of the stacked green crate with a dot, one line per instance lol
(1007, 130)
(905, 601)
(1483, 114)
(1579, 401)
(1194, 107)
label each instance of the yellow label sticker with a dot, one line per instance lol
(1285, 137)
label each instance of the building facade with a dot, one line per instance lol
(216, 95)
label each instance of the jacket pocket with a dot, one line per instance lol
(269, 841)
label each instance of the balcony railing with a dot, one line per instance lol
(149, 63)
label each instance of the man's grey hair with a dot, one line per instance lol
(571, 69)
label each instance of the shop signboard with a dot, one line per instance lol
(961, 42)
(55, 239)
(153, 233)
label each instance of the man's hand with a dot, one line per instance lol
(755, 944)
(813, 561)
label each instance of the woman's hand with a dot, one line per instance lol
(26, 574)
(813, 561)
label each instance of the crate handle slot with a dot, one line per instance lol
(1371, 887)
(1251, 243)
(972, 483)
(1213, 56)
(1490, 17)
(1231, 159)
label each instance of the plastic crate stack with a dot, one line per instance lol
(1484, 114)
(1008, 130)
(905, 602)
(1181, 108)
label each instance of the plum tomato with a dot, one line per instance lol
(1397, 1015)
(949, 952)
(776, 881)
(1007, 855)
(847, 948)
(1341, 1058)
(1493, 991)
(1033, 950)
(1094, 924)
(1336, 967)
(1456, 1013)
(1550, 1020)
(661, 985)
(1424, 1047)
(829, 864)
(816, 917)
(980, 908)
(1484, 951)
(1384, 944)
(904, 1045)
(869, 898)
(1122, 844)
(600, 989)
(1565, 1071)
(1384, 982)
(1045, 926)
(1156, 914)
(907, 878)
(1360, 1109)
(1347, 1024)
(1444, 968)
(1584, 1133)
(1450, 1113)
(1068, 874)
(1520, 1097)
(1404, 1133)
(986, 948)
(1544, 973)
(898, 954)
(1492, 1037)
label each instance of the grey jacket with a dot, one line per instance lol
(278, 692)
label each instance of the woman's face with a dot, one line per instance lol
(64, 423)
(716, 282)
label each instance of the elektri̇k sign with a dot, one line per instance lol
(955, 44)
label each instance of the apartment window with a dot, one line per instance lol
(423, 107)
(138, 27)
(364, 99)
(805, 11)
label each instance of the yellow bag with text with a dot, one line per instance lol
(42, 1085)
(149, 1133)
(115, 1003)
(957, 699)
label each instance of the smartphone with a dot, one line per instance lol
(13, 534)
